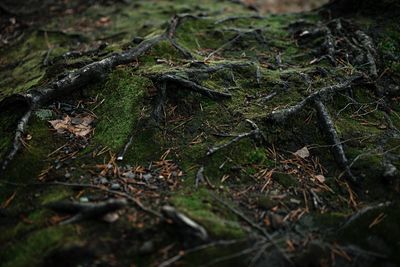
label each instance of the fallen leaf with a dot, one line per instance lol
(302, 153)
(79, 126)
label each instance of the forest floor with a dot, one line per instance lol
(180, 133)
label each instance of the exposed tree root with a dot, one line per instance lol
(329, 130)
(93, 72)
(254, 133)
(282, 115)
(341, 43)
(327, 126)
(202, 247)
(137, 203)
(232, 18)
(257, 227)
(187, 227)
(19, 135)
(192, 86)
(86, 211)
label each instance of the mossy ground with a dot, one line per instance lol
(262, 176)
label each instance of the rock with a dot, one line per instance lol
(147, 247)
(147, 177)
(115, 186)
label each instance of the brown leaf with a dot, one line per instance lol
(79, 126)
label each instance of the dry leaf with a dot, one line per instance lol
(302, 153)
(79, 126)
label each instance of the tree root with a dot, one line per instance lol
(86, 211)
(137, 203)
(257, 227)
(329, 130)
(254, 133)
(202, 247)
(327, 126)
(282, 115)
(341, 42)
(92, 72)
(187, 227)
(192, 86)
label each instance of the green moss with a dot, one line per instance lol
(32, 250)
(382, 237)
(286, 180)
(201, 207)
(265, 202)
(123, 95)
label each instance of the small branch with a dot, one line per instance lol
(363, 211)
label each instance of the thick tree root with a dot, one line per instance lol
(86, 211)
